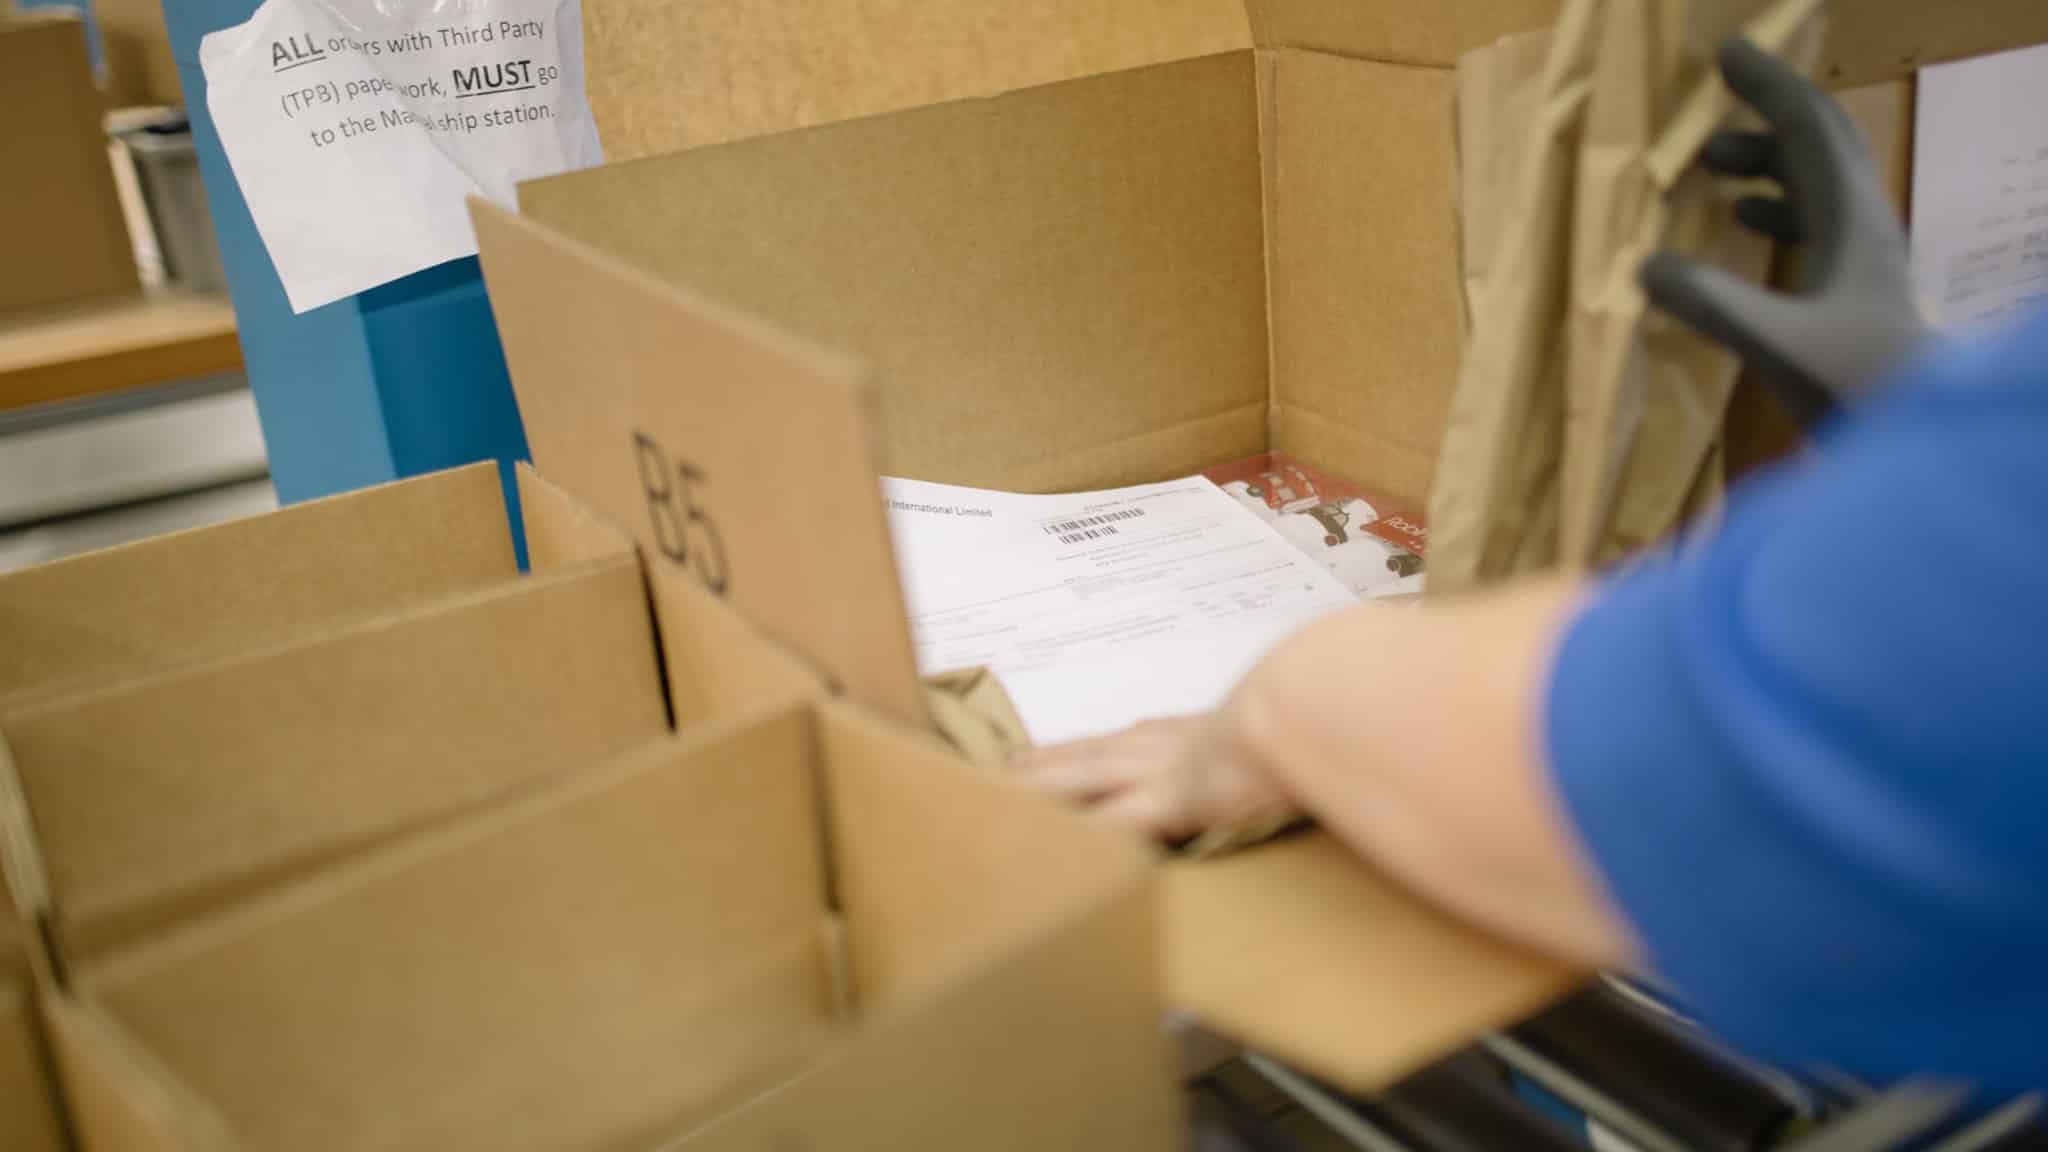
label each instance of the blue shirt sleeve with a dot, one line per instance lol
(1807, 750)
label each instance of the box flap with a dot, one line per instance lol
(1433, 33)
(583, 967)
(1301, 950)
(1058, 288)
(151, 797)
(735, 454)
(191, 596)
(1057, 1045)
(665, 76)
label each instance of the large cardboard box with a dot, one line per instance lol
(796, 926)
(189, 718)
(62, 235)
(1117, 279)
(1113, 280)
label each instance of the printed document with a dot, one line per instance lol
(1980, 189)
(1100, 609)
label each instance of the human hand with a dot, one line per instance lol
(1173, 779)
(1854, 315)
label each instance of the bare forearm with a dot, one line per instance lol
(1416, 737)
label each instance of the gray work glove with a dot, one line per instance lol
(1854, 316)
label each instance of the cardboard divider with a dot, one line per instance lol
(616, 960)
(375, 683)
(1048, 1047)
(716, 664)
(570, 971)
(193, 596)
(174, 789)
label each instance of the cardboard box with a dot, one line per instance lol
(1113, 280)
(721, 940)
(190, 718)
(61, 227)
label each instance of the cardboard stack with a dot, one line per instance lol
(798, 922)
(342, 833)
(195, 716)
(189, 719)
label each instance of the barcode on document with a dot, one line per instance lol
(1087, 534)
(1070, 527)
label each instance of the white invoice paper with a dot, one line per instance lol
(1980, 188)
(1100, 609)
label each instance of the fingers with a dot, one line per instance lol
(1746, 155)
(1088, 770)
(1771, 216)
(1128, 779)
(1738, 315)
(1720, 305)
(1151, 808)
(1785, 99)
(1166, 778)
(1079, 773)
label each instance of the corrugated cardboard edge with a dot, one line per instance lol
(604, 590)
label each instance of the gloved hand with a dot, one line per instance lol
(1854, 316)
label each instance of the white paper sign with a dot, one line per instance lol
(1980, 188)
(357, 128)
